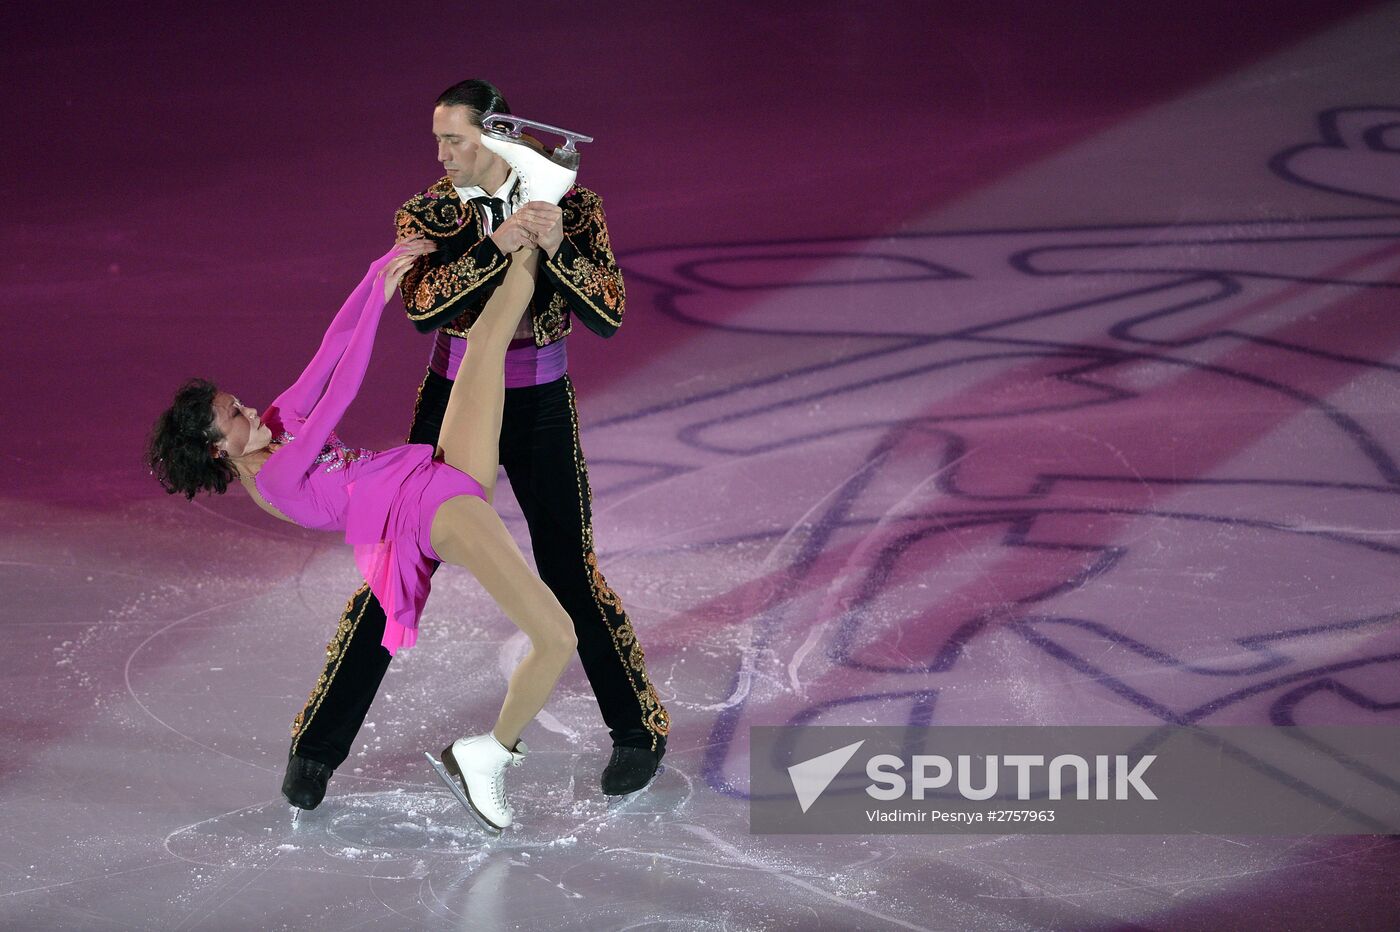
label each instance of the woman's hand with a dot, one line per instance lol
(410, 249)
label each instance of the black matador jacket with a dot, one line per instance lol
(447, 289)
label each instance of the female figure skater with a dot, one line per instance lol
(401, 509)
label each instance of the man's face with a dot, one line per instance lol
(459, 148)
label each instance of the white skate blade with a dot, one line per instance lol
(460, 792)
(508, 124)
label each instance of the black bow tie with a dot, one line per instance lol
(495, 206)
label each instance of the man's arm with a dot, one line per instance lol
(460, 276)
(583, 269)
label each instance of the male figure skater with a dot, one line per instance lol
(475, 217)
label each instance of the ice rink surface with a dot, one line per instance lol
(1026, 366)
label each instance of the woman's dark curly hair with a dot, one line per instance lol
(180, 452)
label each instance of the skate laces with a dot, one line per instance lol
(498, 782)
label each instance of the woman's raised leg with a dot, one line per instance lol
(471, 426)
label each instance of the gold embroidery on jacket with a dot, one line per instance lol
(592, 283)
(591, 275)
(439, 213)
(552, 322)
(599, 285)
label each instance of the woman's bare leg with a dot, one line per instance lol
(468, 532)
(471, 426)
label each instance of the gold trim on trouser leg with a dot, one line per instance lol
(335, 652)
(418, 404)
(629, 650)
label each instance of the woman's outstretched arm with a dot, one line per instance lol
(302, 395)
(333, 378)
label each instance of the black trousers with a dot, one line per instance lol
(544, 462)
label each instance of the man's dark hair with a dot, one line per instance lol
(477, 95)
(179, 452)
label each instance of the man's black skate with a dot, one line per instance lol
(631, 769)
(304, 785)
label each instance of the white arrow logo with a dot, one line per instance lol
(811, 777)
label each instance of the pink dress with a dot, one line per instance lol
(383, 502)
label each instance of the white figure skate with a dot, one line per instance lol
(545, 175)
(474, 770)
